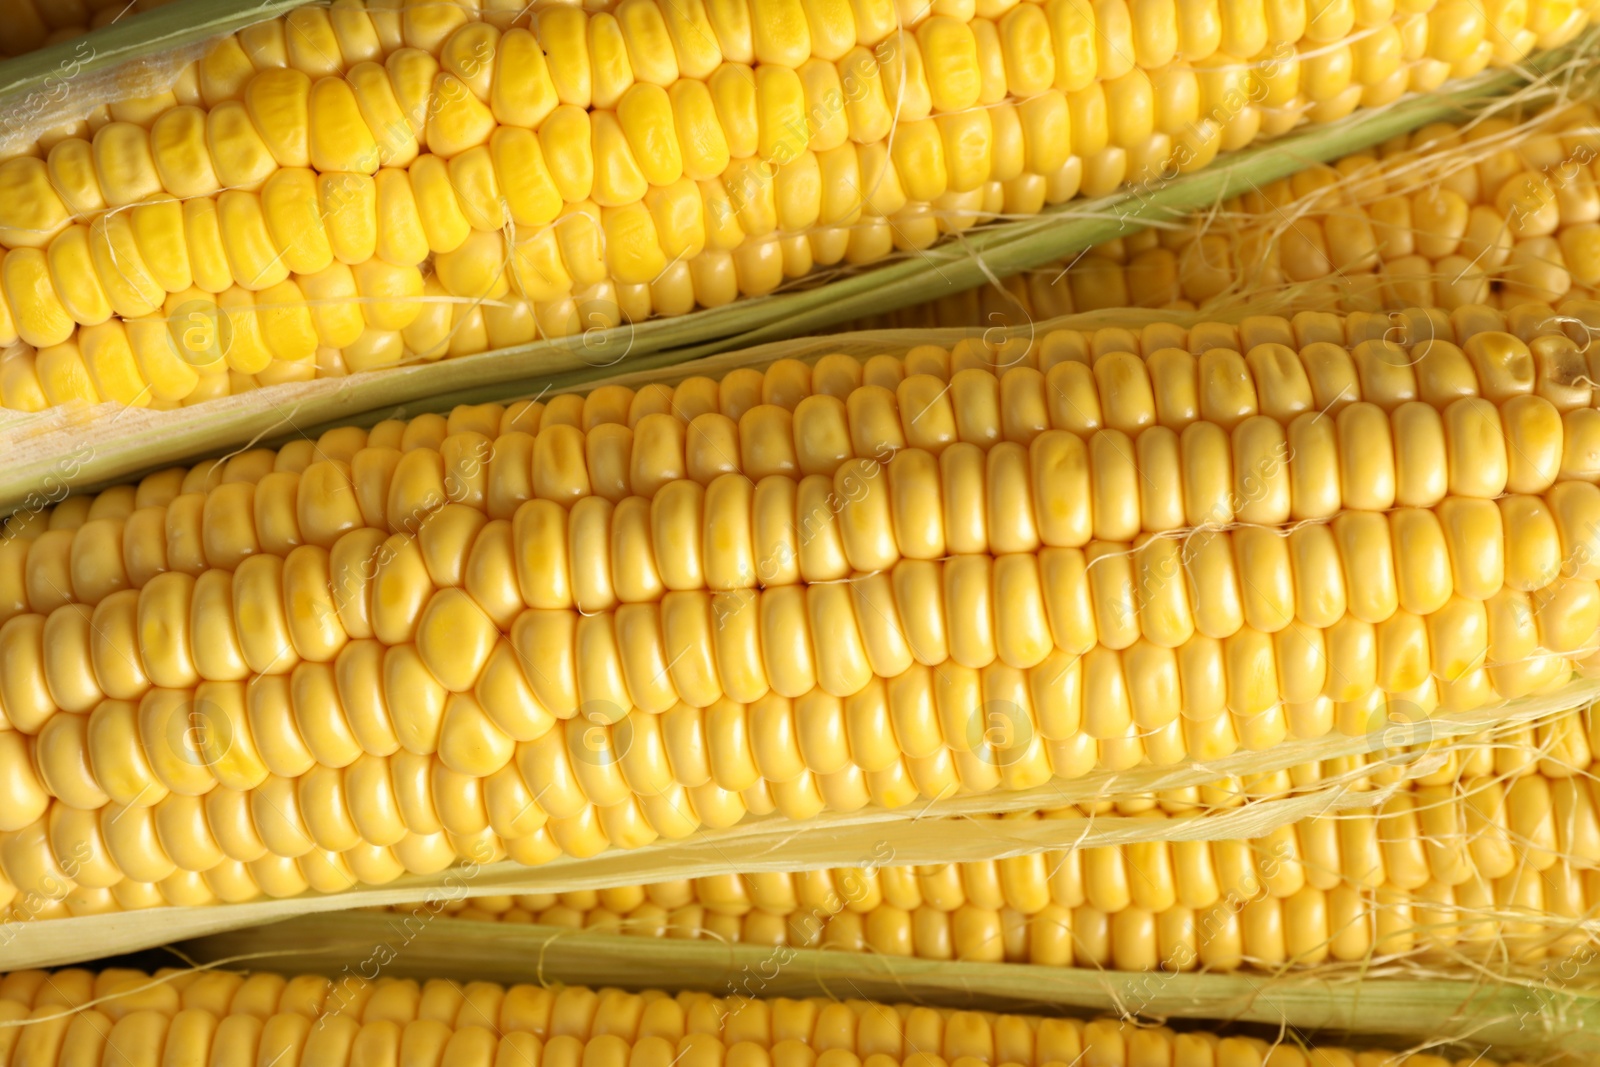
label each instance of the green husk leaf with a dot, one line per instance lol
(66, 449)
(1524, 1018)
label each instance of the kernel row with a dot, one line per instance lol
(384, 1022)
(1309, 928)
(1441, 834)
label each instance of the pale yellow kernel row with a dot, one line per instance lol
(1503, 211)
(1445, 826)
(385, 1022)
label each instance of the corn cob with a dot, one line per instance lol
(389, 1021)
(468, 657)
(1491, 248)
(1436, 872)
(1496, 212)
(1013, 911)
(69, 869)
(372, 170)
(787, 382)
(1309, 928)
(1551, 814)
(88, 595)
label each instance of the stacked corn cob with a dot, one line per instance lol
(1496, 211)
(556, 627)
(70, 1016)
(347, 187)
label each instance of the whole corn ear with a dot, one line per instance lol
(62, 1018)
(800, 590)
(362, 181)
(1499, 211)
